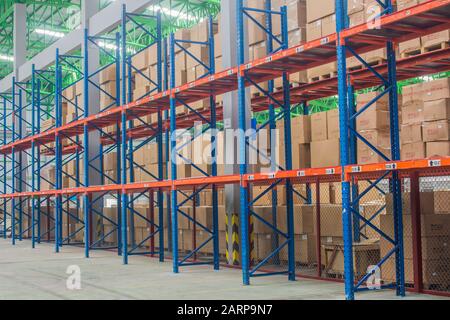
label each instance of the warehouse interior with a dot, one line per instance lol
(275, 149)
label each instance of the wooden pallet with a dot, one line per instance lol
(323, 77)
(436, 47)
(372, 63)
(425, 49)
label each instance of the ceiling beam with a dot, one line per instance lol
(104, 21)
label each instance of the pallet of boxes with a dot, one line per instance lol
(296, 25)
(428, 43)
(425, 130)
(321, 22)
(325, 136)
(435, 230)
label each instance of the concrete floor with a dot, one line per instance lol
(41, 274)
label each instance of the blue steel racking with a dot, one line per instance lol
(422, 19)
(211, 124)
(127, 147)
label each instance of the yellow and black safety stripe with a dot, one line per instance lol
(234, 239)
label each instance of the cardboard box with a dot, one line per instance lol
(333, 123)
(301, 129)
(305, 249)
(411, 133)
(413, 92)
(303, 219)
(434, 272)
(442, 202)
(412, 151)
(331, 220)
(441, 149)
(373, 119)
(413, 112)
(319, 126)
(432, 225)
(325, 153)
(437, 110)
(436, 131)
(436, 39)
(363, 99)
(437, 89)
(432, 247)
(365, 254)
(426, 203)
(316, 10)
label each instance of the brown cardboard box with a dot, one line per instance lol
(436, 131)
(426, 203)
(301, 129)
(331, 220)
(412, 151)
(305, 248)
(368, 156)
(442, 202)
(316, 10)
(373, 119)
(413, 92)
(325, 153)
(303, 219)
(436, 39)
(432, 225)
(437, 89)
(440, 148)
(411, 133)
(314, 30)
(319, 126)
(437, 110)
(141, 60)
(413, 112)
(333, 123)
(265, 213)
(296, 15)
(378, 138)
(328, 25)
(363, 99)
(434, 272)
(432, 247)
(365, 254)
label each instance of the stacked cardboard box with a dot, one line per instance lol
(422, 44)
(435, 230)
(296, 10)
(425, 120)
(366, 252)
(321, 20)
(264, 239)
(300, 142)
(373, 124)
(325, 136)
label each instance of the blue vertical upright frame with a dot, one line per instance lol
(244, 213)
(341, 17)
(350, 197)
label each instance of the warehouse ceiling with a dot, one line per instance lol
(49, 20)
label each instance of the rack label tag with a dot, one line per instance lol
(356, 169)
(330, 171)
(434, 163)
(301, 173)
(391, 166)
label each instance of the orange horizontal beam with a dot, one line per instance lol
(321, 173)
(225, 81)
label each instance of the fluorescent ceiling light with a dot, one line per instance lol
(174, 13)
(111, 46)
(50, 33)
(6, 58)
